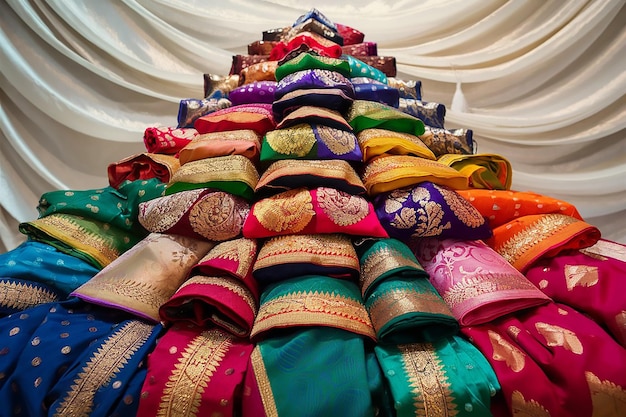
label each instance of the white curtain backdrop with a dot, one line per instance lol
(544, 81)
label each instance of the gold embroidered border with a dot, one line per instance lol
(263, 382)
(231, 284)
(20, 296)
(381, 261)
(242, 251)
(488, 283)
(428, 381)
(531, 239)
(102, 367)
(399, 301)
(331, 168)
(218, 168)
(313, 308)
(607, 397)
(192, 374)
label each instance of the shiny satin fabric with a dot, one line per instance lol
(313, 115)
(256, 116)
(146, 276)
(287, 366)
(319, 210)
(311, 301)
(387, 173)
(195, 371)
(306, 61)
(429, 210)
(203, 214)
(73, 358)
(243, 142)
(287, 174)
(254, 92)
(234, 174)
(311, 40)
(446, 141)
(365, 114)
(485, 171)
(191, 109)
(377, 142)
(588, 280)
(446, 377)
(142, 166)
(17, 295)
(40, 263)
(310, 141)
(477, 283)
(384, 94)
(358, 68)
(167, 140)
(502, 206)
(552, 360)
(529, 238)
(328, 98)
(290, 256)
(431, 113)
(313, 78)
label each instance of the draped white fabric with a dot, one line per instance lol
(543, 84)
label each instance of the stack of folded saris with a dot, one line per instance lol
(310, 240)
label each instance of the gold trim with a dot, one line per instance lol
(20, 296)
(607, 397)
(580, 276)
(218, 168)
(192, 374)
(522, 408)
(559, 336)
(232, 284)
(399, 301)
(427, 380)
(488, 283)
(504, 351)
(531, 239)
(313, 308)
(263, 382)
(103, 366)
(380, 261)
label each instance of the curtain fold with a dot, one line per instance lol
(544, 82)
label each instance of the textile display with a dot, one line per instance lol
(315, 232)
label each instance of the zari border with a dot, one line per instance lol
(263, 382)
(427, 380)
(20, 295)
(102, 367)
(192, 374)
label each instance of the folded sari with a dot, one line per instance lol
(324, 368)
(254, 92)
(35, 262)
(195, 371)
(477, 283)
(314, 26)
(431, 113)
(291, 256)
(529, 238)
(360, 49)
(319, 210)
(261, 47)
(310, 141)
(263, 71)
(73, 358)
(191, 109)
(502, 206)
(588, 280)
(386, 173)
(444, 141)
(315, 14)
(328, 98)
(167, 140)
(384, 94)
(368, 114)
(274, 34)
(350, 35)
(220, 290)
(311, 301)
(312, 115)
(488, 171)
(376, 142)
(306, 61)
(116, 207)
(203, 213)
(241, 62)
(409, 89)
(448, 377)
(219, 86)
(310, 40)
(383, 64)
(257, 117)
(287, 174)
(234, 174)
(93, 241)
(553, 360)
(358, 68)
(409, 310)
(142, 166)
(429, 210)
(146, 276)
(243, 142)
(314, 78)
